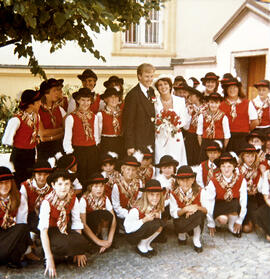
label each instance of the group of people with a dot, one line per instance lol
(99, 164)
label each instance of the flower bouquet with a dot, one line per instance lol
(169, 121)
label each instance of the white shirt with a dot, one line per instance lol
(225, 126)
(10, 131)
(21, 217)
(119, 210)
(83, 205)
(252, 112)
(144, 90)
(132, 222)
(44, 216)
(208, 195)
(67, 143)
(264, 186)
(174, 209)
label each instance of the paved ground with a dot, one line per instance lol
(223, 257)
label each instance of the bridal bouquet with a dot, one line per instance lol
(169, 121)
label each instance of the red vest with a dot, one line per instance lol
(220, 192)
(265, 121)
(78, 134)
(205, 170)
(123, 199)
(23, 136)
(90, 209)
(141, 214)
(94, 107)
(219, 133)
(241, 122)
(2, 214)
(46, 118)
(107, 125)
(54, 215)
(32, 196)
(180, 204)
(255, 180)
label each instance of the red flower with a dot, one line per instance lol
(178, 140)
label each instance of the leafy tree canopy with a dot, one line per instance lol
(58, 21)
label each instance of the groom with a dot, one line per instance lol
(139, 111)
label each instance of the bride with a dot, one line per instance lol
(171, 116)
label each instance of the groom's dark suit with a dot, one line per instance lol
(138, 119)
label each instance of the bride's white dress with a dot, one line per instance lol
(165, 143)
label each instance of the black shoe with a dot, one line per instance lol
(14, 265)
(238, 235)
(145, 255)
(153, 252)
(197, 249)
(182, 242)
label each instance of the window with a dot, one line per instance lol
(144, 34)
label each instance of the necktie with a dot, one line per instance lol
(149, 94)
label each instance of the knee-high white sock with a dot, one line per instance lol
(196, 236)
(182, 236)
(150, 239)
(232, 219)
(104, 233)
(142, 246)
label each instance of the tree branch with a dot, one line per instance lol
(10, 42)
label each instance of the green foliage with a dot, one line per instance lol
(8, 107)
(58, 21)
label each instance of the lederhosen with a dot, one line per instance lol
(34, 201)
(23, 151)
(85, 149)
(50, 148)
(226, 202)
(183, 224)
(255, 199)
(191, 139)
(111, 135)
(14, 240)
(146, 230)
(239, 126)
(69, 244)
(94, 216)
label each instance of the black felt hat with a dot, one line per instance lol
(5, 174)
(195, 81)
(83, 92)
(246, 147)
(213, 146)
(264, 83)
(110, 92)
(130, 161)
(226, 77)
(232, 81)
(152, 185)
(108, 158)
(225, 157)
(46, 85)
(167, 160)
(193, 91)
(256, 134)
(29, 97)
(111, 79)
(87, 74)
(95, 178)
(214, 96)
(66, 162)
(209, 76)
(184, 172)
(42, 166)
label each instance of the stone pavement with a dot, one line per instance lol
(224, 256)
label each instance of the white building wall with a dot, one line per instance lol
(250, 36)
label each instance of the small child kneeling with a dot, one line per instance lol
(143, 222)
(57, 209)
